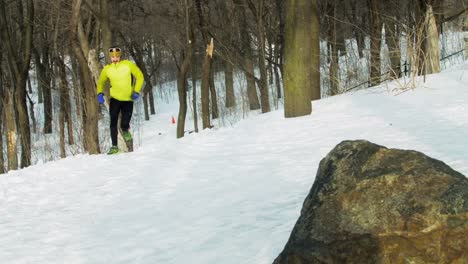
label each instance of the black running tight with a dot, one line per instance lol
(115, 108)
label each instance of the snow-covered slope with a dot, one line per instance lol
(229, 195)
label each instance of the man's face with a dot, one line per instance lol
(115, 59)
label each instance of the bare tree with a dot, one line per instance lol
(2, 114)
(19, 61)
(258, 10)
(432, 47)
(375, 36)
(247, 54)
(90, 114)
(333, 47)
(182, 75)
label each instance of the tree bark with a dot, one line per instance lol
(301, 58)
(252, 94)
(207, 77)
(278, 83)
(2, 115)
(63, 154)
(432, 63)
(205, 89)
(194, 99)
(279, 48)
(229, 81)
(2, 158)
(358, 29)
(465, 28)
(11, 132)
(248, 67)
(182, 75)
(360, 39)
(138, 56)
(21, 77)
(43, 73)
(154, 70)
(65, 103)
(333, 50)
(258, 12)
(105, 28)
(75, 73)
(182, 89)
(31, 111)
(90, 114)
(270, 62)
(213, 94)
(392, 36)
(376, 36)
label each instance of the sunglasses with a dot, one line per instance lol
(115, 52)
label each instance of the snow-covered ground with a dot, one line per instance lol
(227, 195)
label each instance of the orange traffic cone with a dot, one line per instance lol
(173, 120)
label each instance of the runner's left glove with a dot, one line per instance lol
(100, 98)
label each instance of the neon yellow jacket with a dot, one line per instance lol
(120, 76)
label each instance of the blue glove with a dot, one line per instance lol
(100, 98)
(135, 96)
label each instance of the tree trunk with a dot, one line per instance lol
(44, 84)
(376, 36)
(263, 85)
(151, 100)
(33, 116)
(21, 91)
(75, 73)
(105, 28)
(194, 99)
(146, 106)
(419, 57)
(90, 115)
(270, 62)
(340, 41)
(301, 58)
(2, 114)
(360, 39)
(278, 67)
(392, 36)
(252, 94)
(154, 74)
(205, 91)
(182, 76)
(62, 134)
(278, 82)
(10, 129)
(138, 56)
(279, 48)
(2, 158)
(213, 95)
(333, 50)
(432, 63)
(248, 68)
(465, 28)
(19, 63)
(182, 89)
(334, 78)
(65, 103)
(229, 81)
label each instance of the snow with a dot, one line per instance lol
(227, 195)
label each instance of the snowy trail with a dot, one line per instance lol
(230, 195)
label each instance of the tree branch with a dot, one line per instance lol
(465, 11)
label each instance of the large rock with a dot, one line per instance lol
(371, 204)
